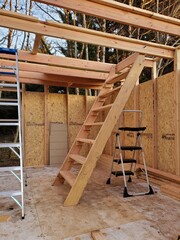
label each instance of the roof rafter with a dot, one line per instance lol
(78, 34)
(119, 12)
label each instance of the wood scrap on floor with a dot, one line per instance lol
(97, 235)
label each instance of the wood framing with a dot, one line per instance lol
(36, 44)
(177, 102)
(97, 235)
(118, 12)
(78, 34)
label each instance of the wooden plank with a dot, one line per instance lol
(104, 133)
(155, 117)
(78, 34)
(36, 44)
(177, 103)
(41, 68)
(97, 235)
(170, 190)
(46, 126)
(68, 176)
(61, 61)
(162, 174)
(122, 13)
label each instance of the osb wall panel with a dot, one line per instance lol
(146, 105)
(34, 145)
(34, 107)
(34, 128)
(89, 102)
(76, 109)
(57, 109)
(166, 123)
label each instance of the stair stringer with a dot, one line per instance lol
(104, 133)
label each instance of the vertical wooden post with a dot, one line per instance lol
(177, 104)
(46, 126)
(136, 115)
(155, 116)
(23, 123)
(67, 117)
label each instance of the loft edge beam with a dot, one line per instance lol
(121, 13)
(78, 34)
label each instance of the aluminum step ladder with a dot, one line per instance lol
(9, 81)
(98, 126)
(119, 160)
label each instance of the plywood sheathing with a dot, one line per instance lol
(34, 128)
(146, 105)
(166, 123)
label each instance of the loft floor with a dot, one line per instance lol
(101, 207)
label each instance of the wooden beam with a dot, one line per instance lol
(78, 34)
(121, 13)
(60, 61)
(41, 68)
(155, 116)
(46, 126)
(126, 62)
(97, 235)
(177, 104)
(36, 44)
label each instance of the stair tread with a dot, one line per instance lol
(94, 124)
(68, 176)
(102, 108)
(85, 140)
(78, 158)
(127, 160)
(110, 92)
(120, 173)
(133, 129)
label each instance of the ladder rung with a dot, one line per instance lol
(94, 124)
(128, 160)
(7, 73)
(8, 120)
(77, 158)
(10, 193)
(68, 176)
(12, 85)
(7, 67)
(8, 124)
(6, 169)
(130, 148)
(102, 108)
(85, 140)
(8, 104)
(104, 95)
(5, 145)
(120, 173)
(8, 99)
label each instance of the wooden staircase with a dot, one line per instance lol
(100, 122)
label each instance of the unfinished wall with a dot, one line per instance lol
(166, 123)
(60, 108)
(158, 118)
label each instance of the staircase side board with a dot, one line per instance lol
(104, 133)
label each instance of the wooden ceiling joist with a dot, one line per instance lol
(78, 34)
(122, 13)
(41, 68)
(60, 61)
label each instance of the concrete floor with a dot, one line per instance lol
(102, 207)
